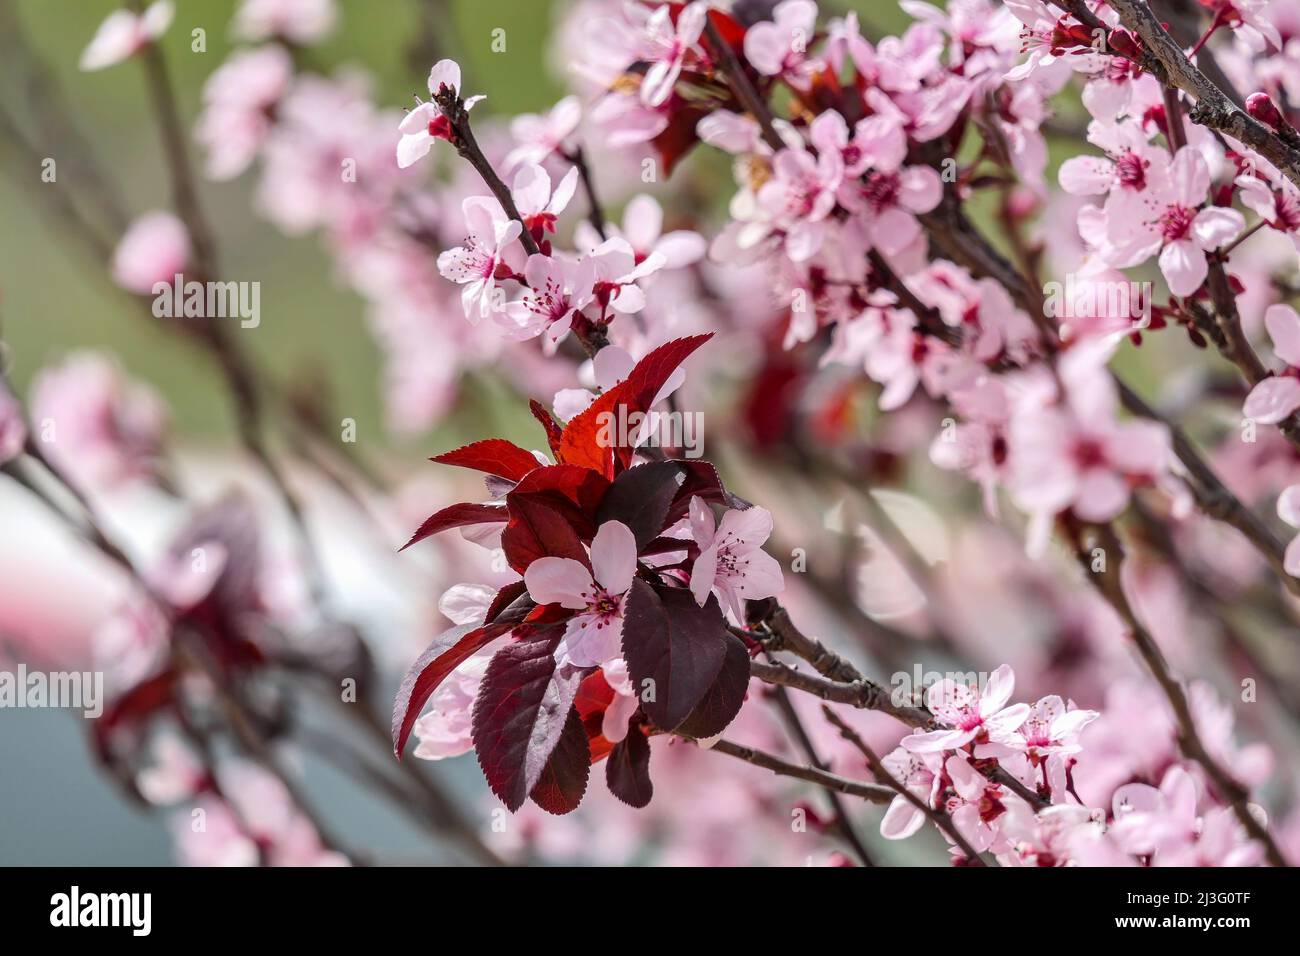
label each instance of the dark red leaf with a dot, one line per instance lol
(457, 516)
(593, 699)
(582, 443)
(538, 528)
(553, 429)
(702, 482)
(628, 772)
(564, 778)
(520, 713)
(583, 488)
(729, 29)
(679, 137)
(448, 650)
(721, 704)
(640, 497)
(674, 644)
(507, 596)
(495, 456)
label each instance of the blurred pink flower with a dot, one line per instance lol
(124, 33)
(96, 426)
(154, 249)
(238, 100)
(302, 22)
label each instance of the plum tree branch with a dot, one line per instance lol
(1213, 108)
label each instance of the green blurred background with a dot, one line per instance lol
(55, 297)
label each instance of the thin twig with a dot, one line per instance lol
(1108, 584)
(939, 818)
(871, 792)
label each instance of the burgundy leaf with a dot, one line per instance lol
(581, 444)
(457, 516)
(581, 487)
(538, 529)
(701, 481)
(721, 704)
(448, 650)
(504, 599)
(495, 456)
(675, 644)
(553, 429)
(563, 781)
(640, 497)
(628, 772)
(520, 713)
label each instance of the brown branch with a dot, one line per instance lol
(861, 693)
(453, 108)
(1108, 584)
(595, 214)
(871, 792)
(1213, 108)
(939, 818)
(742, 87)
(843, 823)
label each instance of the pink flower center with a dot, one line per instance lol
(880, 190)
(1177, 223)
(550, 301)
(1131, 171)
(602, 605)
(1089, 453)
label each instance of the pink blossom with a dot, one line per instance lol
(261, 816)
(1275, 199)
(779, 47)
(1076, 454)
(541, 135)
(1052, 727)
(732, 562)
(890, 201)
(302, 22)
(557, 288)
(643, 222)
(619, 272)
(594, 635)
(667, 47)
(1165, 825)
(921, 775)
(799, 197)
(474, 264)
(1276, 397)
(238, 99)
(973, 802)
(1167, 218)
(154, 249)
(124, 33)
(878, 141)
(426, 122)
(970, 715)
(96, 426)
(537, 204)
(614, 724)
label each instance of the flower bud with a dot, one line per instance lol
(1262, 108)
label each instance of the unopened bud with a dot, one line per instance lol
(1262, 107)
